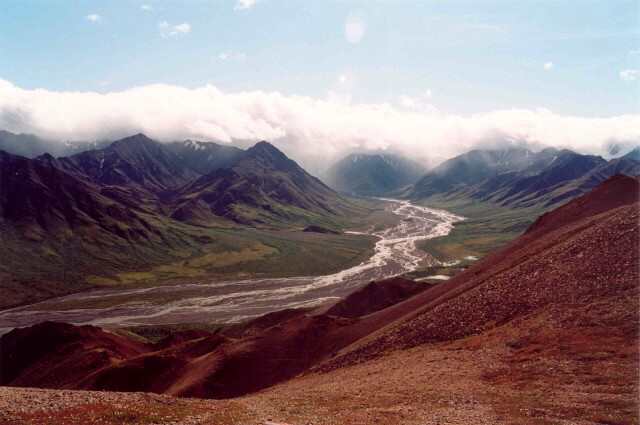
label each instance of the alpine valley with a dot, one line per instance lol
(137, 210)
(340, 212)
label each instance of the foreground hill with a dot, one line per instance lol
(544, 331)
(581, 251)
(373, 174)
(241, 360)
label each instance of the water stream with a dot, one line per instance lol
(232, 301)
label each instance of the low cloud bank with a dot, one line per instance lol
(313, 131)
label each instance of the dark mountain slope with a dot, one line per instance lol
(41, 200)
(548, 184)
(58, 229)
(528, 180)
(373, 174)
(70, 223)
(262, 187)
(135, 161)
(476, 166)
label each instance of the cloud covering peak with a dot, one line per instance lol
(308, 129)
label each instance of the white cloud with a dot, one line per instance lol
(548, 66)
(421, 103)
(311, 130)
(354, 29)
(245, 4)
(182, 28)
(169, 30)
(146, 7)
(94, 17)
(630, 74)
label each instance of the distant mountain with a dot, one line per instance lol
(373, 174)
(617, 149)
(31, 146)
(477, 166)
(205, 157)
(519, 178)
(26, 145)
(263, 186)
(633, 154)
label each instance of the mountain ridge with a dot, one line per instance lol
(374, 174)
(138, 204)
(542, 179)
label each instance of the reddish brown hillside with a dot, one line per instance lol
(612, 193)
(266, 351)
(58, 355)
(376, 296)
(243, 359)
(542, 332)
(580, 253)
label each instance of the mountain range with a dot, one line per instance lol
(524, 336)
(373, 174)
(137, 202)
(185, 181)
(519, 177)
(30, 146)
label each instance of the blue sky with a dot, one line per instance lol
(469, 56)
(429, 78)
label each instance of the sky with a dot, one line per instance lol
(320, 78)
